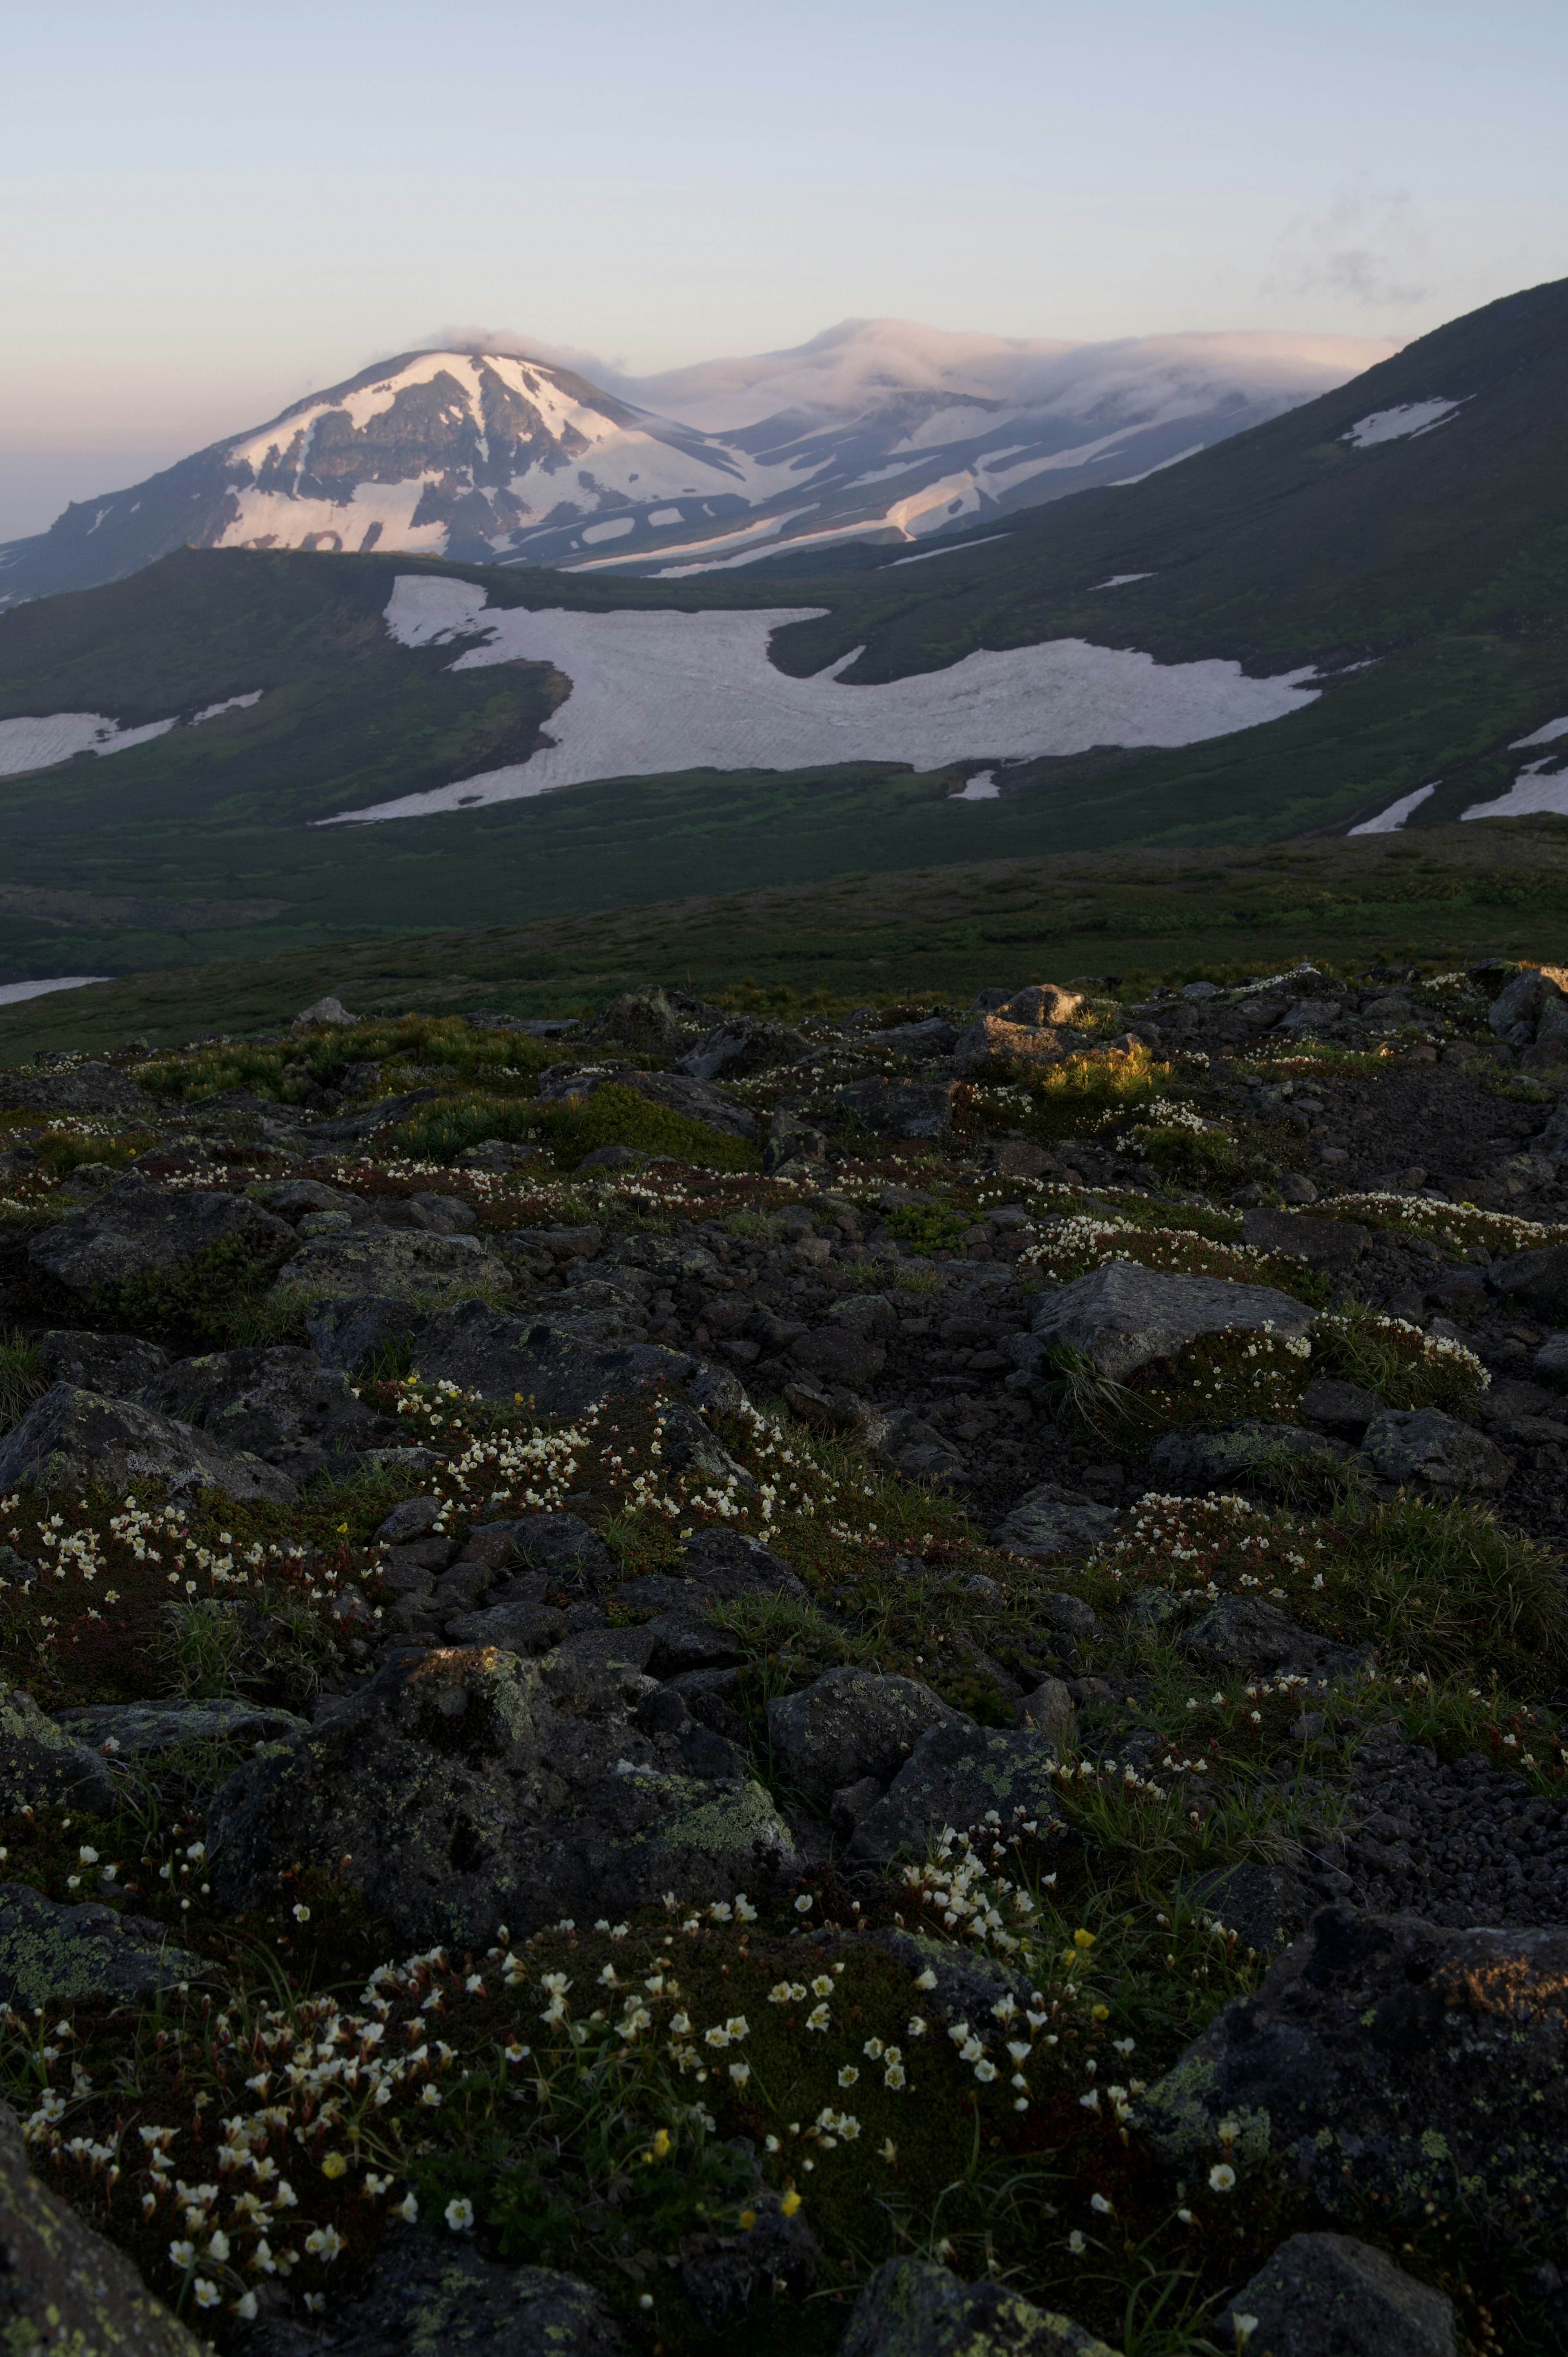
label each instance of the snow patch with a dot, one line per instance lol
(1395, 424)
(229, 704)
(615, 530)
(654, 693)
(666, 515)
(959, 548)
(1537, 788)
(1389, 821)
(12, 993)
(1120, 580)
(42, 743)
(981, 789)
(1547, 736)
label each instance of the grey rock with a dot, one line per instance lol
(1243, 1632)
(501, 1356)
(468, 1791)
(142, 1731)
(1423, 1444)
(53, 1954)
(657, 1020)
(1523, 999)
(402, 1263)
(1124, 1316)
(1070, 1616)
(90, 1088)
(433, 1214)
(849, 1725)
(282, 1405)
(564, 1547)
(1044, 1525)
(294, 1198)
(839, 1354)
(410, 1519)
(137, 1228)
(1539, 1279)
(1263, 1902)
(1330, 2295)
(1384, 2056)
(328, 1010)
(42, 1765)
(745, 1045)
(865, 1313)
(351, 1331)
(118, 1364)
(899, 1108)
(1259, 1452)
(1341, 1408)
(1310, 1236)
(69, 1438)
(62, 2286)
(914, 2308)
(1050, 1711)
(956, 1774)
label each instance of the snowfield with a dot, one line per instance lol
(56, 736)
(1389, 821)
(1393, 425)
(655, 692)
(1541, 787)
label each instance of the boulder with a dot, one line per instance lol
(282, 1405)
(793, 1142)
(64, 2288)
(1044, 1524)
(90, 1088)
(956, 1772)
(323, 1010)
(70, 1438)
(1124, 1316)
(850, 1724)
(993, 1043)
(749, 1044)
(1523, 999)
(43, 1765)
(504, 1357)
(1344, 1409)
(136, 1229)
(350, 1129)
(911, 2308)
(118, 1364)
(353, 1331)
(146, 1730)
(431, 2294)
(404, 1264)
(1539, 1279)
(1310, 1236)
(295, 1198)
(1386, 2058)
(564, 1547)
(677, 1092)
(656, 1020)
(1330, 2295)
(1243, 1632)
(1045, 1003)
(1423, 1444)
(470, 1788)
(899, 1108)
(1256, 1452)
(59, 1956)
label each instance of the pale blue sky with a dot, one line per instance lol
(211, 209)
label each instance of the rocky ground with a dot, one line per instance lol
(587, 1610)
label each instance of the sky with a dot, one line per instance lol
(212, 211)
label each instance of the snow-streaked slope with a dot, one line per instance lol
(1389, 821)
(1543, 785)
(654, 692)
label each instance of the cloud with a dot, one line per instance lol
(1366, 247)
(507, 342)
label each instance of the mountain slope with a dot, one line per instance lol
(1389, 566)
(878, 430)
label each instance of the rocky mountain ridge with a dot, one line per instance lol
(750, 1572)
(496, 457)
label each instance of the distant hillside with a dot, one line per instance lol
(878, 431)
(1355, 614)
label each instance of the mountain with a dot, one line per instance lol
(878, 430)
(1355, 614)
